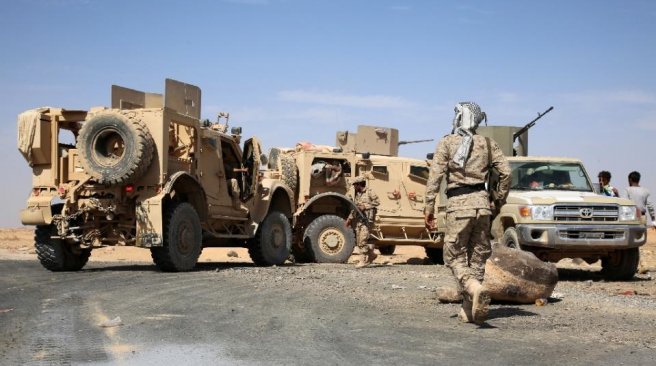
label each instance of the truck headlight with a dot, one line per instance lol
(537, 212)
(627, 213)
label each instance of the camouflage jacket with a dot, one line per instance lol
(368, 198)
(474, 172)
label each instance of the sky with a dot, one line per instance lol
(300, 70)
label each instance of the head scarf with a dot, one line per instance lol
(468, 117)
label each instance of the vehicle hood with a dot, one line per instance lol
(549, 197)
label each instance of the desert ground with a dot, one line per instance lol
(120, 310)
(17, 244)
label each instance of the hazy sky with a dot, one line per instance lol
(291, 70)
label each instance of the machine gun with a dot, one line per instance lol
(413, 141)
(528, 125)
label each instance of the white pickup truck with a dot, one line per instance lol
(553, 211)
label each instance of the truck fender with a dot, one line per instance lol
(273, 196)
(185, 184)
(150, 210)
(501, 223)
(342, 198)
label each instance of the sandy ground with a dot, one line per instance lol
(18, 244)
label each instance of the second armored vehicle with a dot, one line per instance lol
(320, 177)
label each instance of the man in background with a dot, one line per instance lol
(604, 185)
(639, 196)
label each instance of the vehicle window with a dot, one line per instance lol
(537, 175)
(380, 169)
(420, 172)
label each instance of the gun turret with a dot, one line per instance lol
(530, 124)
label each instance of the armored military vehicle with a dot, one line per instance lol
(553, 211)
(147, 172)
(320, 177)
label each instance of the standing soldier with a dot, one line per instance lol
(465, 159)
(366, 201)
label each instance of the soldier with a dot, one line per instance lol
(465, 159)
(366, 201)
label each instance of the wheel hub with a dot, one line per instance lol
(277, 236)
(186, 242)
(331, 241)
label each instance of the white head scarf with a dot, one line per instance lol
(468, 117)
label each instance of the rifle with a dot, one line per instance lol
(530, 124)
(413, 141)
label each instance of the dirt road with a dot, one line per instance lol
(232, 313)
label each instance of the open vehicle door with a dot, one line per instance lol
(251, 163)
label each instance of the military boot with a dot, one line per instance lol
(480, 299)
(465, 315)
(363, 261)
(371, 255)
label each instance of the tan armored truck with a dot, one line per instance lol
(320, 177)
(553, 211)
(147, 172)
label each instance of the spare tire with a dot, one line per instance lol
(288, 171)
(114, 149)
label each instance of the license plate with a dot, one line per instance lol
(592, 235)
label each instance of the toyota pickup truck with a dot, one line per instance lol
(553, 211)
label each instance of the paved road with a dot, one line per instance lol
(299, 315)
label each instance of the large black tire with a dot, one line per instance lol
(114, 149)
(510, 239)
(329, 240)
(387, 250)
(621, 266)
(183, 240)
(272, 242)
(54, 254)
(436, 255)
(289, 171)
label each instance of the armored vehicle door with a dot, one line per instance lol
(251, 163)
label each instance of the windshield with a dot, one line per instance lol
(544, 175)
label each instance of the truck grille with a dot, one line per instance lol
(599, 235)
(575, 213)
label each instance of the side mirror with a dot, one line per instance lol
(430, 156)
(235, 131)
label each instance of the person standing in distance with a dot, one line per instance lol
(604, 185)
(639, 196)
(465, 158)
(366, 200)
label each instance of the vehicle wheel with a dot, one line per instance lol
(114, 149)
(183, 240)
(329, 240)
(621, 265)
(510, 239)
(436, 255)
(289, 172)
(387, 250)
(271, 243)
(55, 254)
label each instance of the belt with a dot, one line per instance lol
(458, 191)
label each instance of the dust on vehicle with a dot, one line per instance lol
(320, 177)
(148, 172)
(553, 211)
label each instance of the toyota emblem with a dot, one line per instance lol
(586, 212)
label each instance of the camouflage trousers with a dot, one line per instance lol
(467, 245)
(362, 236)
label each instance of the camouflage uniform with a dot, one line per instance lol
(467, 242)
(370, 201)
